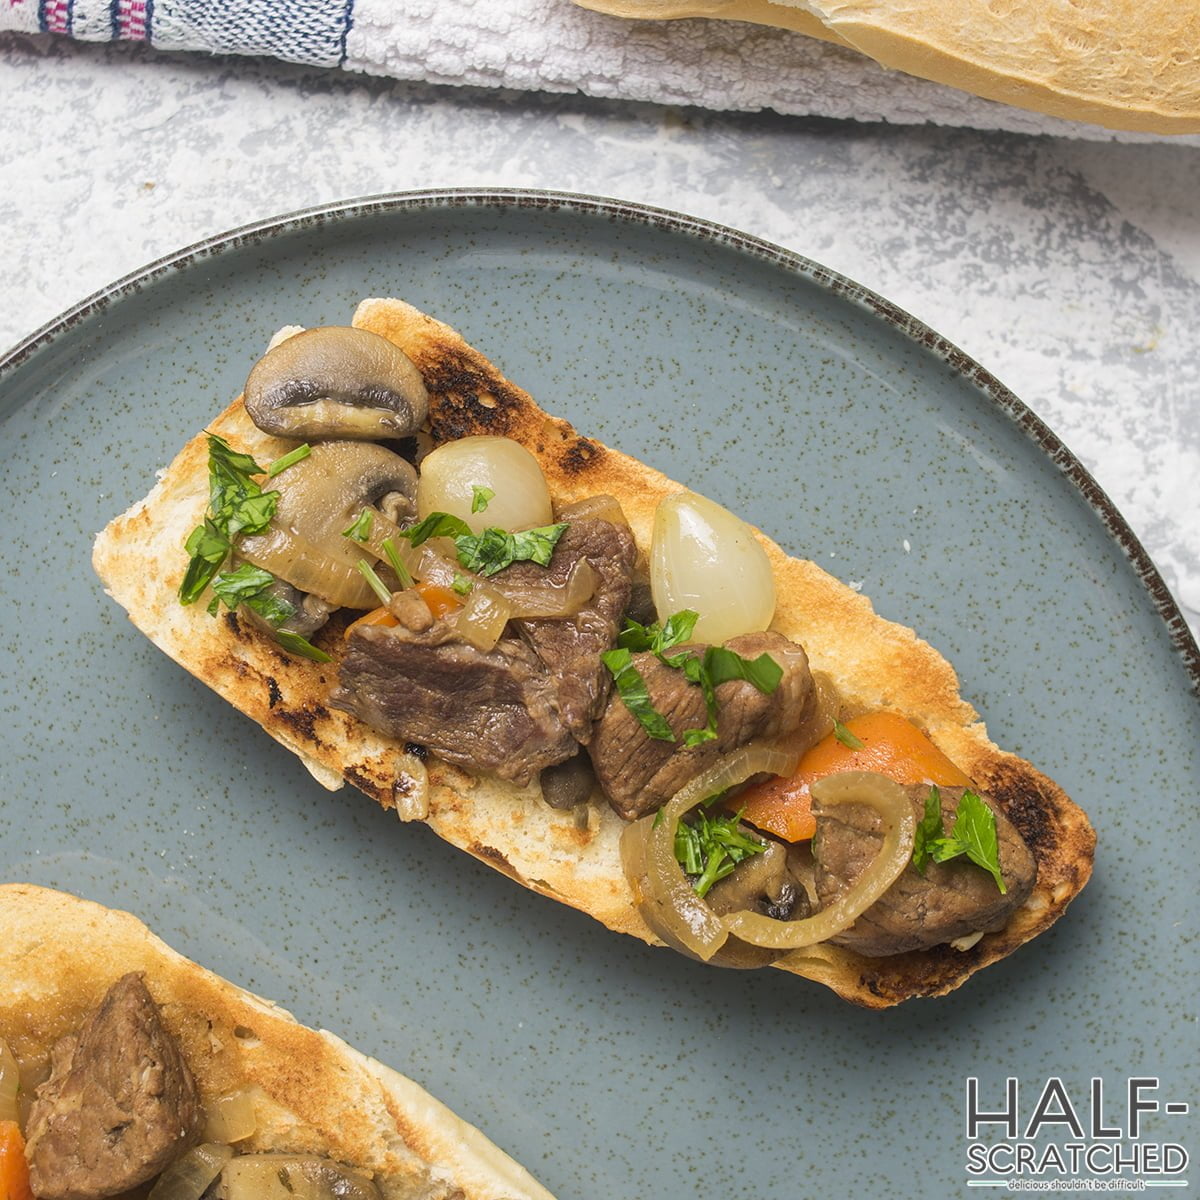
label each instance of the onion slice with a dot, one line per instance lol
(666, 898)
(483, 617)
(898, 824)
(10, 1084)
(188, 1177)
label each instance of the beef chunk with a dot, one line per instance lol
(486, 710)
(120, 1103)
(570, 648)
(952, 899)
(639, 773)
(518, 708)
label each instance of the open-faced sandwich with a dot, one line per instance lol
(1125, 64)
(607, 687)
(125, 1067)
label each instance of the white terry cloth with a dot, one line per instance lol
(550, 46)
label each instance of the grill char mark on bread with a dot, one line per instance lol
(872, 662)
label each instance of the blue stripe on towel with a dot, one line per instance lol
(347, 25)
(303, 31)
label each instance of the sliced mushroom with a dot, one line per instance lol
(320, 497)
(290, 1177)
(567, 784)
(336, 382)
(309, 612)
(762, 883)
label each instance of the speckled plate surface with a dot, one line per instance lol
(850, 432)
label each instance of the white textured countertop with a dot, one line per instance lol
(1070, 269)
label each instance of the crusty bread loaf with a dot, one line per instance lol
(312, 1093)
(1124, 64)
(874, 664)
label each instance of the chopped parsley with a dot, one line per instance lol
(631, 687)
(252, 586)
(481, 497)
(716, 666)
(377, 585)
(360, 530)
(492, 550)
(849, 740)
(238, 505)
(397, 564)
(709, 848)
(928, 830)
(290, 459)
(974, 835)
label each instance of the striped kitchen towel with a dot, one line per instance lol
(544, 45)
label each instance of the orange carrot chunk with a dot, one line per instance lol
(891, 746)
(377, 616)
(441, 600)
(14, 1171)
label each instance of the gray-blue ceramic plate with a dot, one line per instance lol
(851, 432)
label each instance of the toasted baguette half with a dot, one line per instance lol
(874, 664)
(312, 1093)
(1123, 64)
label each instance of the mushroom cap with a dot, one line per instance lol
(319, 497)
(336, 382)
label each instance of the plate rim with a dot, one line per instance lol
(1034, 428)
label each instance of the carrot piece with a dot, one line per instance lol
(441, 600)
(14, 1170)
(377, 616)
(892, 746)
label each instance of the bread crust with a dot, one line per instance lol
(312, 1092)
(874, 664)
(1124, 64)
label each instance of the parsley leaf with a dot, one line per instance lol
(246, 584)
(360, 530)
(929, 828)
(709, 848)
(717, 665)
(631, 687)
(656, 637)
(208, 547)
(252, 586)
(397, 564)
(492, 550)
(299, 645)
(720, 665)
(236, 504)
(438, 524)
(290, 459)
(376, 584)
(973, 835)
(481, 497)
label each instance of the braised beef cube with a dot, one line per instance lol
(952, 900)
(120, 1103)
(570, 647)
(639, 773)
(485, 710)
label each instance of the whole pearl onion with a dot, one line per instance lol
(704, 558)
(451, 473)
